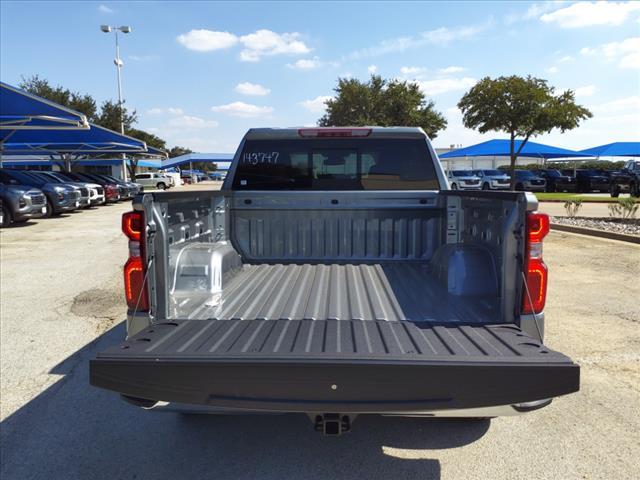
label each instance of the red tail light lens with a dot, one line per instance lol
(132, 225)
(135, 293)
(334, 132)
(135, 269)
(534, 295)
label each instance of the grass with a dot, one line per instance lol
(573, 196)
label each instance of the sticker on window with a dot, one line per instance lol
(256, 158)
(243, 182)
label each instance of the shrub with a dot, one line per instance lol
(625, 208)
(572, 207)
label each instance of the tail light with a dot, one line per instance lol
(334, 132)
(534, 295)
(135, 269)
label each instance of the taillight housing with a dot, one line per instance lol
(135, 269)
(534, 293)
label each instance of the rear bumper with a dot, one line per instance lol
(343, 366)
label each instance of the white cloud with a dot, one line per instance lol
(265, 42)
(163, 111)
(440, 36)
(534, 11)
(372, 69)
(105, 9)
(586, 14)
(586, 91)
(619, 105)
(241, 109)
(444, 85)
(144, 58)
(565, 59)
(306, 64)
(412, 70)
(552, 70)
(317, 105)
(627, 52)
(207, 40)
(450, 70)
(190, 122)
(256, 45)
(252, 89)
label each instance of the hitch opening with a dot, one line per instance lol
(332, 423)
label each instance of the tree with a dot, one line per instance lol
(111, 114)
(177, 151)
(79, 102)
(521, 107)
(380, 102)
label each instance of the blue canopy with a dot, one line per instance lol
(155, 152)
(20, 110)
(501, 148)
(616, 149)
(197, 157)
(96, 140)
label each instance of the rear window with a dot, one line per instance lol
(335, 164)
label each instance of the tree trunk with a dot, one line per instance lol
(133, 168)
(512, 164)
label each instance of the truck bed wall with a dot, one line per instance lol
(472, 242)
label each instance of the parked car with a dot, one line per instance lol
(626, 180)
(124, 191)
(345, 278)
(96, 192)
(19, 203)
(83, 190)
(493, 179)
(216, 176)
(590, 181)
(111, 192)
(59, 197)
(528, 181)
(131, 188)
(556, 181)
(154, 180)
(463, 180)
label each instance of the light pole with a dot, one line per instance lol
(119, 64)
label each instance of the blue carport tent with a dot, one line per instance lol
(501, 148)
(197, 157)
(20, 110)
(96, 140)
(616, 149)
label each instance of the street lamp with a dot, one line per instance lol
(119, 64)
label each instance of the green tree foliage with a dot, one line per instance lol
(521, 107)
(384, 103)
(79, 102)
(109, 115)
(177, 151)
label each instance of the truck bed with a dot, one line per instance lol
(393, 291)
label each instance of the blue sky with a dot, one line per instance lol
(201, 73)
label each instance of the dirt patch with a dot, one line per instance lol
(106, 306)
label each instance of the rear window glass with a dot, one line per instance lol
(335, 164)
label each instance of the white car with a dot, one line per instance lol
(463, 180)
(154, 180)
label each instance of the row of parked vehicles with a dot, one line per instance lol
(26, 194)
(626, 180)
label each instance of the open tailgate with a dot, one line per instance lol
(330, 365)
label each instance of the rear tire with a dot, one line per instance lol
(161, 186)
(6, 219)
(614, 191)
(519, 187)
(634, 190)
(48, 210)
(454, 186)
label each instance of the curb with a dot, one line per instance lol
(596, 233)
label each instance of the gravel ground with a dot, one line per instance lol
(62, 302)
(628, 226)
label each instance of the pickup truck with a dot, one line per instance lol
(336, 274)
(626, 180)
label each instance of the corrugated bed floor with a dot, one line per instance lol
(341, 292)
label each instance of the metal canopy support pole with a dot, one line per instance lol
(118, 63)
